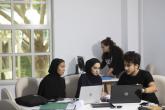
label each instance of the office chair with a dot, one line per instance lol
(8, 105)
(151, 68)
(26, 86)
(5, 94)
(160, 84)
(71, 82)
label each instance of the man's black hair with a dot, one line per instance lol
(132, 57)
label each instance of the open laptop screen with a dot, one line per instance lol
(125, 94)
(91, 94)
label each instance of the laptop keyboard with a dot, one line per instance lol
(98, 105)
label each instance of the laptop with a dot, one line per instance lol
(90, 94)
(125, 94)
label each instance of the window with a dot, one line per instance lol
(25, 38)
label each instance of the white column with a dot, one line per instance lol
(133, 25)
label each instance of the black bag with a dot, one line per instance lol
(31, 100)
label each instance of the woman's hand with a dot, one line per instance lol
(110, 72)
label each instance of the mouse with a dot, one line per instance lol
(144, 104)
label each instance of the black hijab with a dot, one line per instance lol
(54, 66)
(89, 64)
(88, 79)
(53, 85)
(92, 79)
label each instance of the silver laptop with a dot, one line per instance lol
(126, 94)
(90, 94)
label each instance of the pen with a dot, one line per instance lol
(74, 107)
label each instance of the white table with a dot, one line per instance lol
(125, 106)
(111, 80)
(108, 79)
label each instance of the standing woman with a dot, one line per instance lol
(92, 75)
(53, 85)
(112, 56)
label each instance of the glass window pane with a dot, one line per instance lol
(41, 18)
(41, 65)
(26, 13)
(29, 0)
(23, 66)
(2, 1)
(19, 14)
(5, 13)
(5, 41)
(21, 0)
(22, 41)
(6, 67)
(39, 0)
(41, 40)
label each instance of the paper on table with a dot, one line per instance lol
(66, 100)
(77, 105)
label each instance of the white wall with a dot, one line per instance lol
(154, 33)
(80, 25)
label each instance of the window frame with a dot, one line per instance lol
(30, 27)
